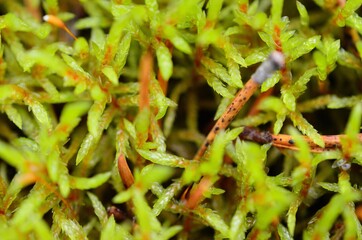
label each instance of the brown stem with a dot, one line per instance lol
(125, 172)
(232, 110)
(197, 194)
(145, 73)
(286, 141)
(330, 141)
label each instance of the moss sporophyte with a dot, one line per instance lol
(207, 119)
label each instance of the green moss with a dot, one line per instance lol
(146, 81)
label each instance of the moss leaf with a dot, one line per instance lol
(354, 122)
(177, 40)
(109, 230)
(304, 47)
(146, 219)
(40, 113)
(89, 183)
(14, 115)
(99, 209)
(306, 128)
(109, 72)
(94, 116)
(165, 159)
(88, 142)
(122, 53)
(217, 69)
(164, 60)
(70, 227)
(72, 111)
(216, 84)
(154, 173)
(304, 17)
(215, 221)
(283, 233)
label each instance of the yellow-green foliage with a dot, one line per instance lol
(69, 108)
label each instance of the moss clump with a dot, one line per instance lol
(99, 130)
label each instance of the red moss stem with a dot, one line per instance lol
(125, 172)
(145, 73)
(232, 110)
(331, 142)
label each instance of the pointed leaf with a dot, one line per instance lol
(40, 113)
(213, 9)
(238, 225)
(305, 47)
(289, 99)
(123, 197)
(99, 209)
(216, 84)
(109, 72)
(154, 174)
(88, 183)
(234, 72)
(306, 128)
(15, 23)
(165, 159)
(94, 116)
(14, 115)
(214, 220)
(145, 218)
(122, 53)
(88, 142)
(179, 42)
(283, 233)
(164, 60)
(276, 10)
(109, 229)
(70, 227)
(291, 216)
(217, 69)
(304, 17)
(232, 52)
(72, 111)
(12, 156)
(354, 122)
(170, 232)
